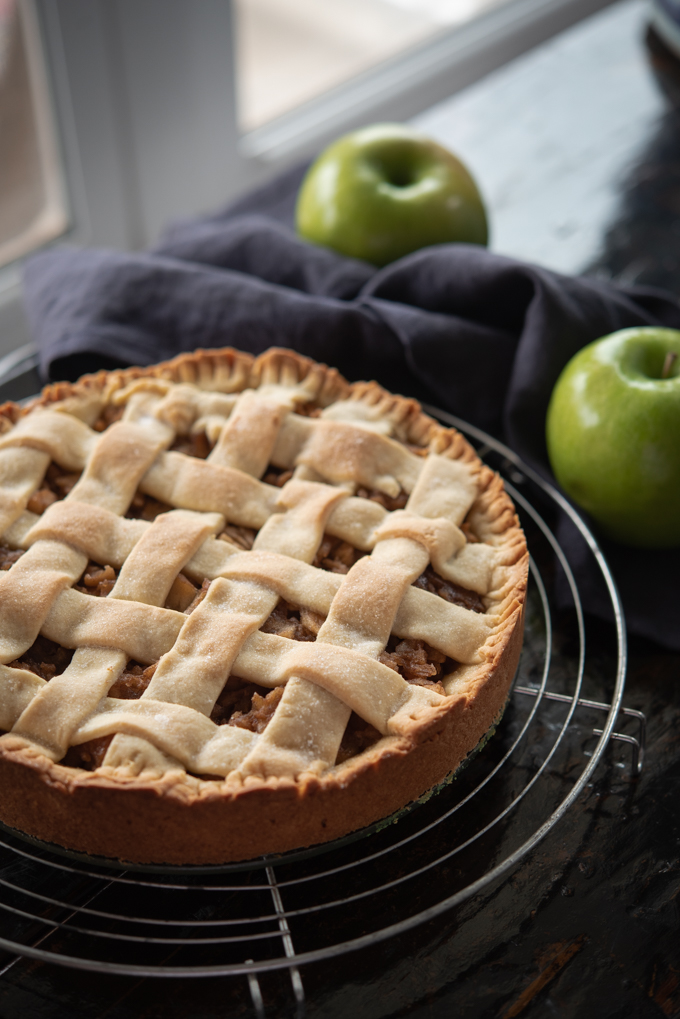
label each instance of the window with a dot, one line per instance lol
(291, 51)
(145, 110)
(32, 209)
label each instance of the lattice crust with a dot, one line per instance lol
(247, 410)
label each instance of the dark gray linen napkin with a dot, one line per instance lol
(475, 333)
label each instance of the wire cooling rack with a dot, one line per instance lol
(282, 913)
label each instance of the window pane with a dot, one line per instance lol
(31, 204)
(290, 51)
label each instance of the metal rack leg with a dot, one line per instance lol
(295, 978)
(256, 994)
(637, 743)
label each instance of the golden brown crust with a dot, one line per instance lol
(178, 818)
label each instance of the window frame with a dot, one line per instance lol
(52, 218)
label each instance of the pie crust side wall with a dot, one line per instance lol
(180, 819)
(156, 822)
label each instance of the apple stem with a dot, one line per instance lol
(671, 358)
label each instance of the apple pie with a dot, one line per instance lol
(245, 607)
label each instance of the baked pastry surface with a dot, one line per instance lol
(246, 607)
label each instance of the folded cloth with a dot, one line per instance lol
(478, 334)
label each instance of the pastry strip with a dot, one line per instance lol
(21, 471)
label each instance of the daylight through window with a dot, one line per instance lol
(32, 209)
(291, 51)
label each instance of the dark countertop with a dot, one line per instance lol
(583, 176)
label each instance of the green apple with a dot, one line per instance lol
(384, 191)
(613, 434)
